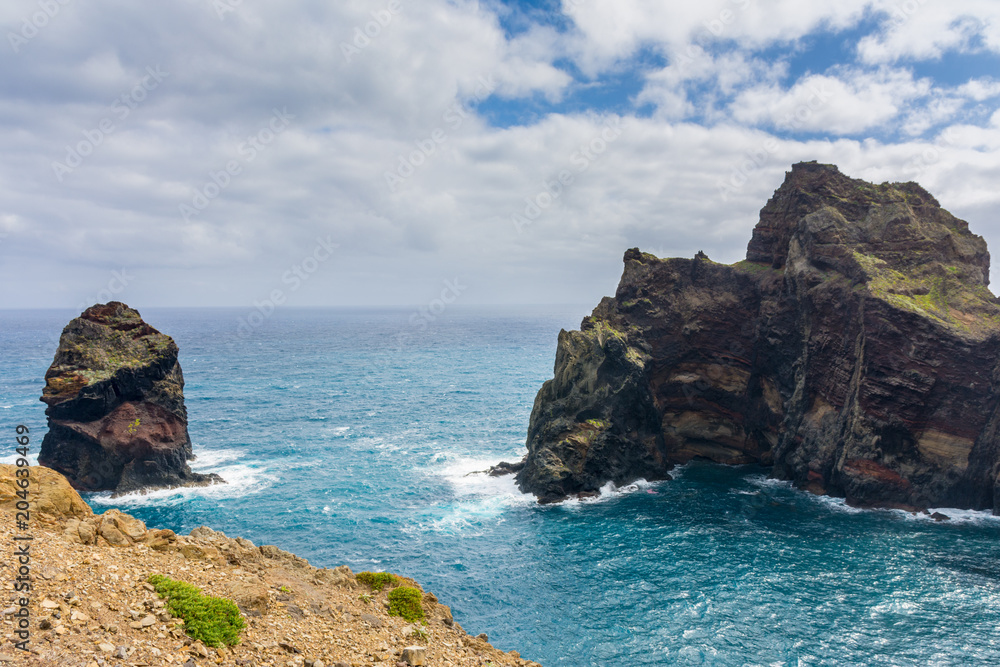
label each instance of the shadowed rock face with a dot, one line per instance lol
(855, 350)
(116, 406)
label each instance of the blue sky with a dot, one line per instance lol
(205, 149)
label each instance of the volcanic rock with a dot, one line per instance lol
(855, 351)
(116, 406)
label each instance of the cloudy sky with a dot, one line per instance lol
(355, 152)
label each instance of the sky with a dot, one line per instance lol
(257, 153)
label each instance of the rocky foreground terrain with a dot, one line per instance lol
(116, 415)
(855, 351)
(90, 604)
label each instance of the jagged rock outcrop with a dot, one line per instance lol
(855, 350)
(115, 396)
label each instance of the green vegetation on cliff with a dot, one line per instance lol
(211, 620)
(405, 603)
(932, 290)
(377, 580)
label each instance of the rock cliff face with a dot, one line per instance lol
(855, 350)
(116, 406)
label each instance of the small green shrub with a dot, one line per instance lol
(211, 620)
(405, 602)
(377, 580)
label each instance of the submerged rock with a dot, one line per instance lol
(115, 396)
(855, 350)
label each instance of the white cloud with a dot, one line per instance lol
(611, 31)
(924, 29)
(680, 89)
(979, 90)
(660, 184)
(847, 102)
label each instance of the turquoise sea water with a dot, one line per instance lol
(349, 443)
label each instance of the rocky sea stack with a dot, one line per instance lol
(855, 351)
(115, 397)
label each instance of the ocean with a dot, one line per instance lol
(353, 437)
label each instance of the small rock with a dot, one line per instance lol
(288, 647)
(44, 624)
(49, 604)
(149, 587)
(61, 630)
(483, 637)
(9, 610)
(121, 652)
(250, 597)
(87, 533)
(199, 649)
(107, 648)
(148, 621)
(414, 655)
(373, 621)
(937, 516)
(79, 616)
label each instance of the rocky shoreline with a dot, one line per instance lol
(855, 352)
(91, 605)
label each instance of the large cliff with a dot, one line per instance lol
(854, 350)
(89, 602)
(115, 396)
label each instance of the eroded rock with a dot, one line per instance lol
(855, 350)
(116, 411)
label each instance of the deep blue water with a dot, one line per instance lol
(346, 442)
